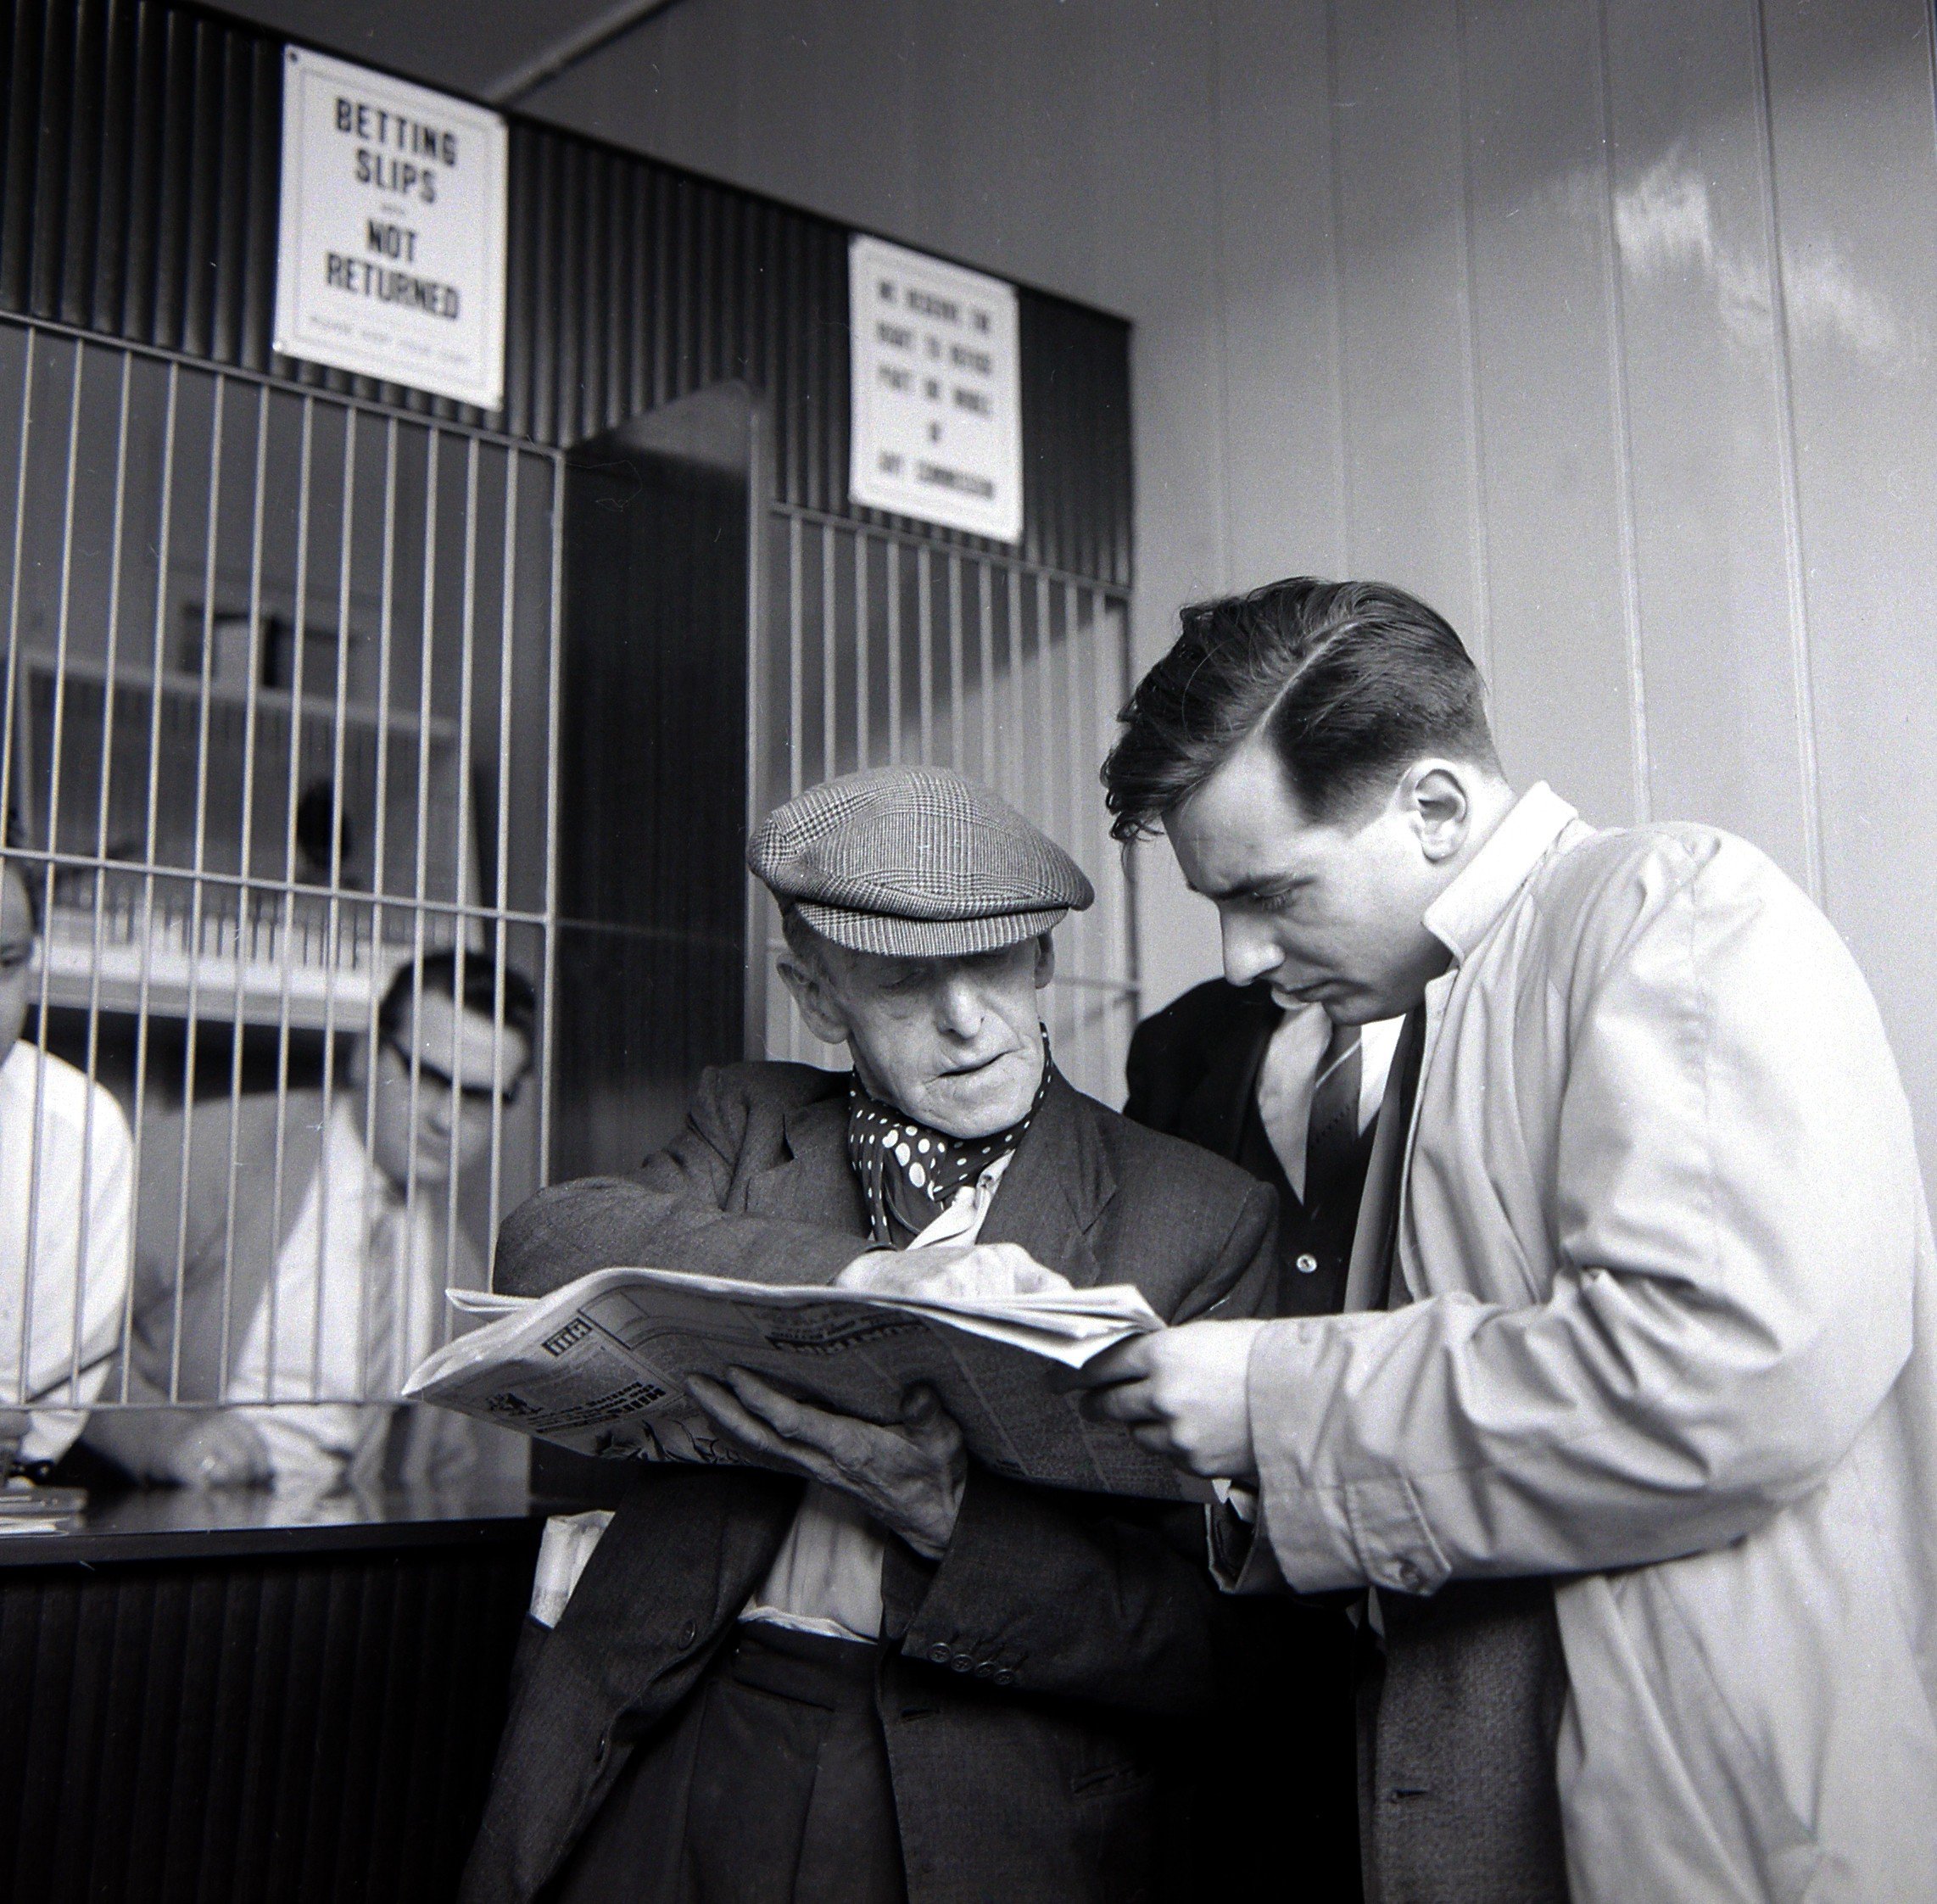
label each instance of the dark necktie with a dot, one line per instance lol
(1332, 1131)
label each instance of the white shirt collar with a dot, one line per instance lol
(1463, 914)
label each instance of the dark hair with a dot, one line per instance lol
(15, 840)
(439, 971)
(1354, 680)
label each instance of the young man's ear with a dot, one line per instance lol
(1442, 806)
(813, 998)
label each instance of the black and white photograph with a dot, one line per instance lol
(968, 952)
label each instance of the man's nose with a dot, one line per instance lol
(1249, 950)
(961, 1010)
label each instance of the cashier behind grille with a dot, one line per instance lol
(886, 1673)
(66, 1169)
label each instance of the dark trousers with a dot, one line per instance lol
(769, 1785)
(1274, 1769)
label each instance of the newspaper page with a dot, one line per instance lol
(600, 1366)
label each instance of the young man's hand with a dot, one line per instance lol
(1181, 1391)
(908, 1475)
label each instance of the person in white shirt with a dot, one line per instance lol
(65, 1181)
(293, 1254)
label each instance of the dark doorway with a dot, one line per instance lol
(652, 906)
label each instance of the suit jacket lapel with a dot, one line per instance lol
(1060, 1184)
(1368, 1274)
(813, 1182)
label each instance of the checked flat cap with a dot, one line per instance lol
(915, 863)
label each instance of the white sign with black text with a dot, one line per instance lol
(937, 398)
(392, 256)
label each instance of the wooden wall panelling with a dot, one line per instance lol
(1283, 465)
(1854, 208)
(1156, 112)
(254, 1730)
(1409, 436)
(1709, 447)
(1547, 404)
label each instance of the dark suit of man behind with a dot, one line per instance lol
(1194, 1070)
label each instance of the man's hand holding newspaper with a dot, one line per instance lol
(882, 1385)
(908, 1474)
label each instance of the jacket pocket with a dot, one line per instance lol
(1104, 1781)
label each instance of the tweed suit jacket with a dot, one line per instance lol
(1098, 1613)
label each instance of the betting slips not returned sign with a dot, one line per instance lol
(937, 406)
(391, 255)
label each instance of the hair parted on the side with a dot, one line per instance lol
(1351, 680)
(438, 971)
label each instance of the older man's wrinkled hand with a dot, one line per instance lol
(907, 1474)
(952, 1271)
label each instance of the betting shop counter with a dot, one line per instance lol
(241, 1696)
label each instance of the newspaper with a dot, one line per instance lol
(600, 1366)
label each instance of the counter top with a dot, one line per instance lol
(181, 1523)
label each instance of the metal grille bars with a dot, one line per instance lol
(277, 723)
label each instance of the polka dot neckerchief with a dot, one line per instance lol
(909, 1173)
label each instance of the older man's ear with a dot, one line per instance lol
(1045, 960)
(815, 998)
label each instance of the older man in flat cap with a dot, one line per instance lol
(882, 1673)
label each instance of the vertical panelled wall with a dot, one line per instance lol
(1631, 366)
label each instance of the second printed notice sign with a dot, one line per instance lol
(391, 262)
(937, 396)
